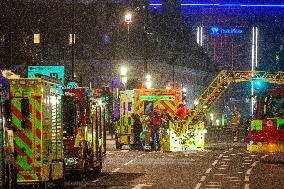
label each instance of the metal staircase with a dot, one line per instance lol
(220, 85)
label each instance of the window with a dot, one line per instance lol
(36, 38)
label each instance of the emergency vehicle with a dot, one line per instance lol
(84, 131)
(7, 168)
(36, 110)
(141, 102)
(266, 130)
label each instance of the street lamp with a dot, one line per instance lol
(123, 76)
(148, 81)
(128, 20)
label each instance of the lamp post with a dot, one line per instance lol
(128, 20)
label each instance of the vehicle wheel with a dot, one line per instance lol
(118, 145)
(59, 183)
(43, 185)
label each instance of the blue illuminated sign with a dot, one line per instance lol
(217, 31)
(225, 5)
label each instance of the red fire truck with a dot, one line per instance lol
(84, 131)
(266, 132)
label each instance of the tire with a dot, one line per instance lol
(118, 146)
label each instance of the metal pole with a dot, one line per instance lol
(173, 76)
(146, 37)
(73, 39)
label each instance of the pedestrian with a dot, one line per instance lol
(137, 130)
(235, 123)
(156, 124)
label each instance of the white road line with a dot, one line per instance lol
(114, 171)
(226, 159)
(240, 153)
(215, 162)
(246, 163)
(202, 178)
(224, 165)
(222, 168)
(233, 154)
(129, 162)
(225, 151)
(248, 159)
(246, 178)
(249, 171)
(208, 170)
(246, 186)
(139, 186)
(240, 172)
(220, 156)
(252, 155)
(198, 186)
(144, 154)
(225, 156)
(254, 163)
(219, 174)
(264, 156)
(231, 149)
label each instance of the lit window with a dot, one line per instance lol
(36, 38)
(71, 41)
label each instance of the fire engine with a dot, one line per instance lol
(84, 131)
(266, 130)
(36, 107)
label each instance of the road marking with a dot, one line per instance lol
(246, 186)
(226, 152)
(246, 178)
(128, 162)
(249, 171)
(252, 155)
(222, 168)
(225, 156)
(208, 170)
(233, 154)
(246, 163)
(202, 178)
(254, 163)
(197, 186)
(215, 162)
(114, 171)
(139, 186)
(226, 159)
(240, 153)
(223, 165)
(248, 159)
(231, 149)
(264, 156)
(240, 172)
(219, 174)
(220, 156)
(144, 154)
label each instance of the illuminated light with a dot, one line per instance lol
(184, 90)
(211, 116)
(225, 5)
(205, 106)
(195, 102)
(36, 38)
(123, 71)
(169, 88)
(197, 39)
(72, 38)
(218, 31)
(256, 44)
(148, 84)
(128, 18)
(217, 122)
(201, 36)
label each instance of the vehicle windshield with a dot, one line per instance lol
(275, 105)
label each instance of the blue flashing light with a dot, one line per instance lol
(225, 5)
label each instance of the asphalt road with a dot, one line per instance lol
(222, 165)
